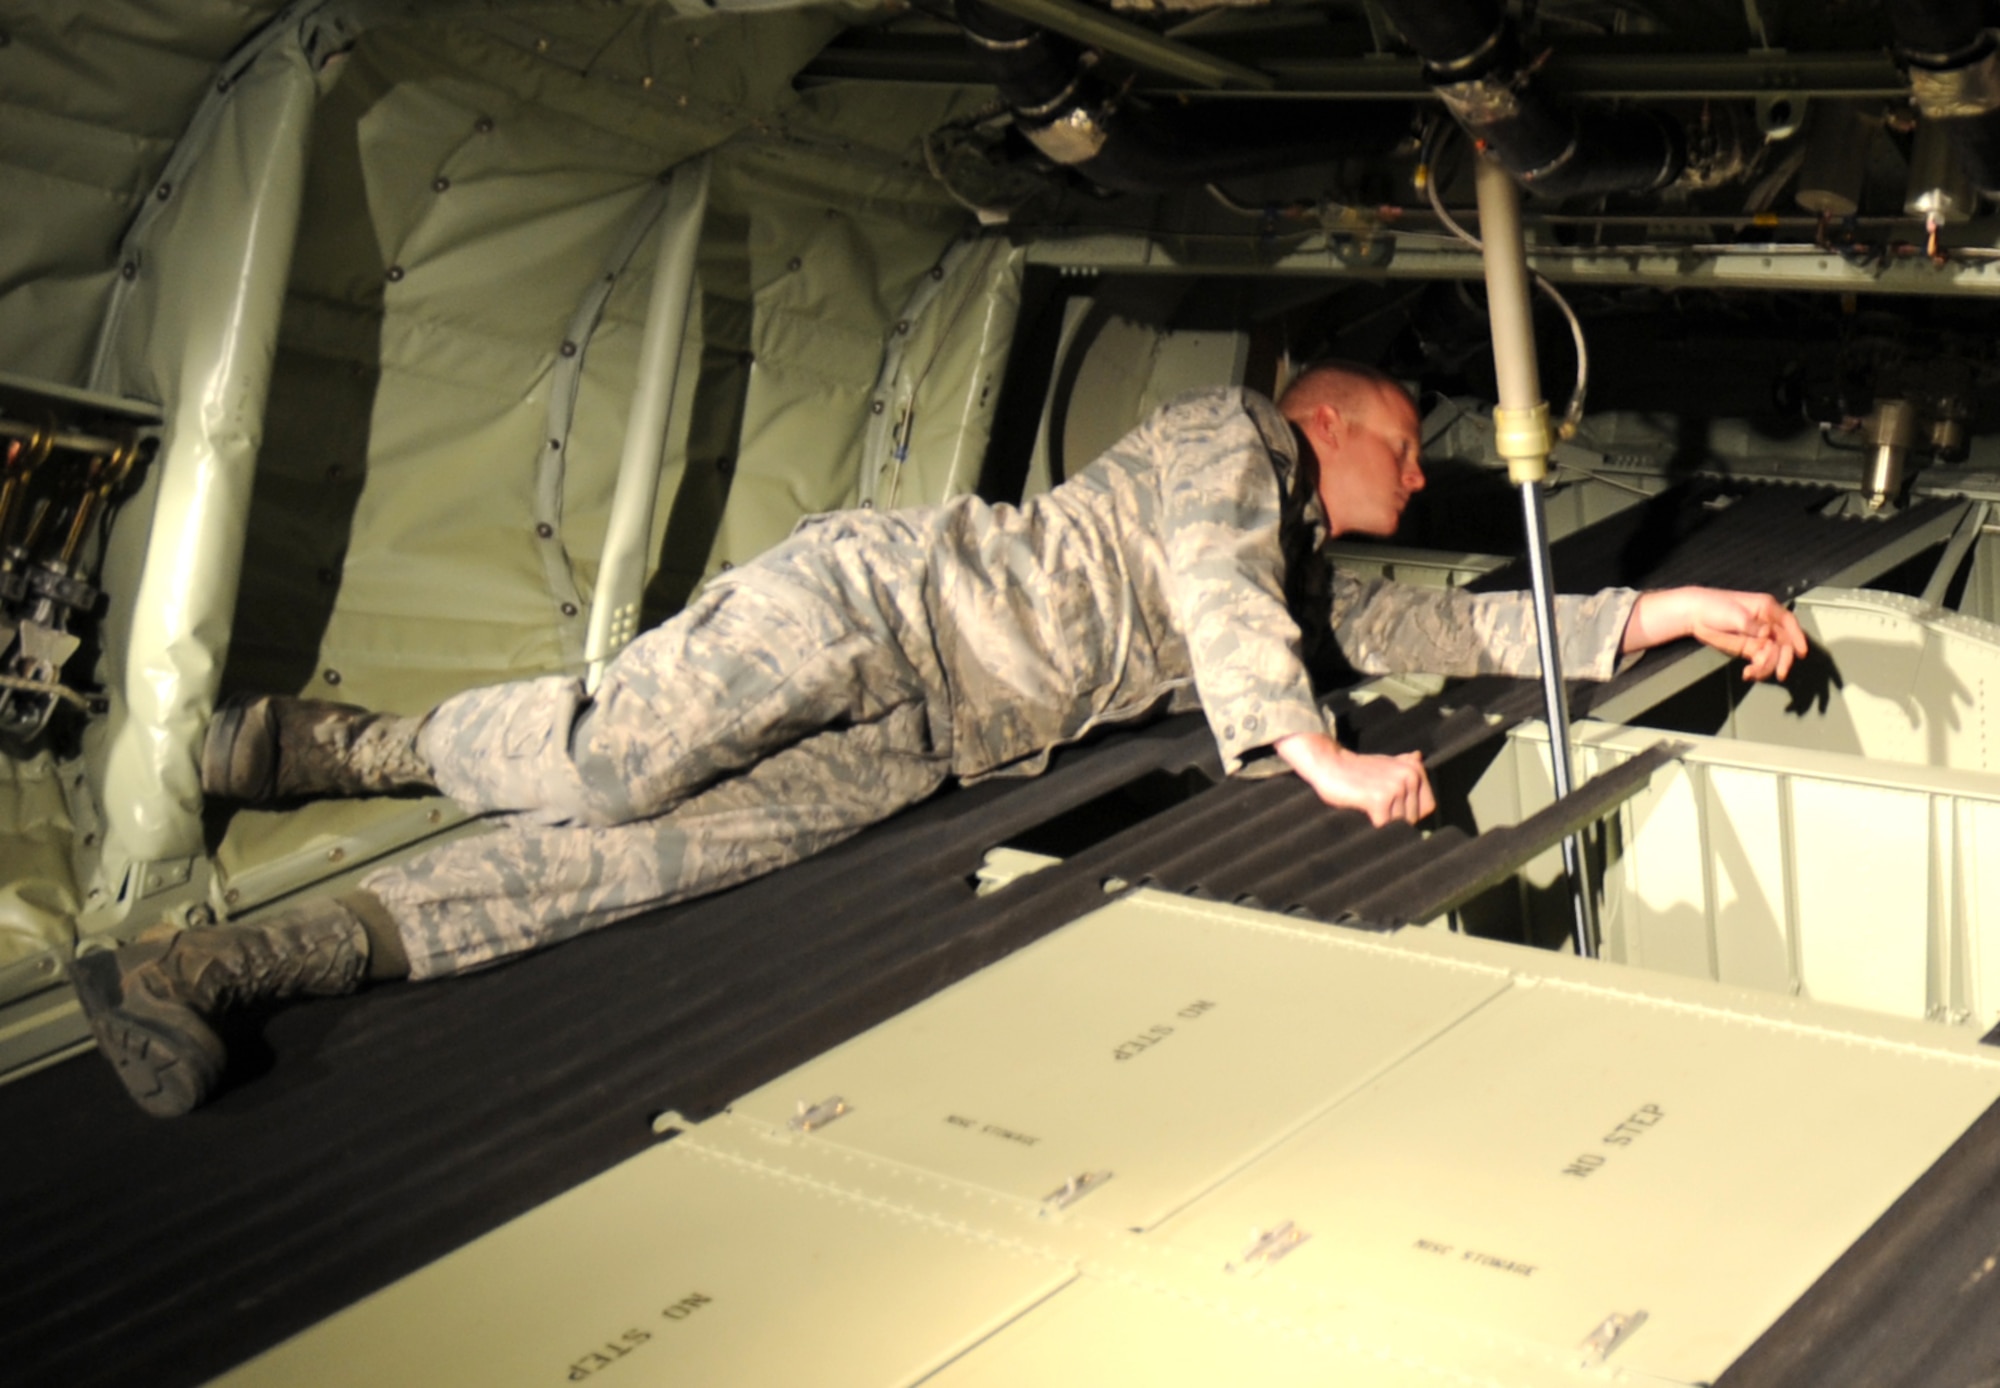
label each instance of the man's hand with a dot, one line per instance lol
(1754, 626)
(1383, 788)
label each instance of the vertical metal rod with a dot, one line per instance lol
(1555, 700)
(1521, 432)
(621, 575)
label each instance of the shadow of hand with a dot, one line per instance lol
(1813, 679)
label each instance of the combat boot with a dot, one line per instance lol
(273, 747)
(149, 1003)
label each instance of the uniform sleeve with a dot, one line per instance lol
(1219, 529)
(1387, 628)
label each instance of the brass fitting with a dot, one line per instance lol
(1522, 438)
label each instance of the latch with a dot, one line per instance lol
(1073, 1190)
(1271, 1245)
(1613, 1331)
(814, 1116)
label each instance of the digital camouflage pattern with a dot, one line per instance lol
(1386, 628)
(476, 900)
(856, 667)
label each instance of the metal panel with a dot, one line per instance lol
(1427, 568)
(1862, 867)
(1568, 1152)
(1836, 876)
(678, 1266)
(1975, 934)
(1896, 679)
(1678, 936)
(1112, 1335)
(1746, 827)
(1472, 1212)
(1118, 362)
(1159, 1043)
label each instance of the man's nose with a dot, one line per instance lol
(1413, 476)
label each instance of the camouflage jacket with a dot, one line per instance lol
(1155, 578)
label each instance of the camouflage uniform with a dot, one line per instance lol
(871, 657)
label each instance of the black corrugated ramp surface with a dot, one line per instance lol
(394, 1126)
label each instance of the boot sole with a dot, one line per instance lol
(166, 1073)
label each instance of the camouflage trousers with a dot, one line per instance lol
(758, 727)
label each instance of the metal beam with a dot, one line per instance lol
(1962, 540)
(1936, 531)
(1425, 256)
(1694, 664)
(1688, 668)
(1137, 45)
(1497, 854)
(1611, 75)
(1273, 65)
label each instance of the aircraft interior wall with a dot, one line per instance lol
(449, 365)
(95, 100)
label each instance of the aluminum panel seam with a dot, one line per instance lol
(1357, 1084)
(1105, 1254)
(1054, 1089)
(926, 1216)
(1968, 1058)
(1757, 1009)
(1314, 933)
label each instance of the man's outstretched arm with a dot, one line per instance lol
(1754, 626)
(1386, 628)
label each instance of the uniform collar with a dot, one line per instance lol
(1305, 476)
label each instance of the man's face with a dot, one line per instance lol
(1368, 464)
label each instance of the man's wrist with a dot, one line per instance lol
(1659, 616)
(1305, 752)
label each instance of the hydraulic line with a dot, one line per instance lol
(1521, 432)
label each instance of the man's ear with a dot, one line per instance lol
(1331, 424)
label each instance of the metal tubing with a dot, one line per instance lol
(1521, 403)
(1506, 262)
(1088, 25)
(66, 439)
(621, 580)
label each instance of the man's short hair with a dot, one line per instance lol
(1348, 386)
